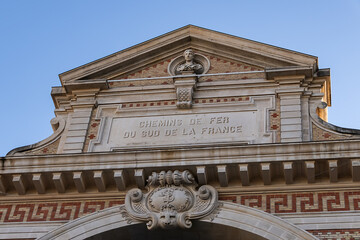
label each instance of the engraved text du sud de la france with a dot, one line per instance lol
(194, 126)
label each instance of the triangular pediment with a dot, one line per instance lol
(150, 59)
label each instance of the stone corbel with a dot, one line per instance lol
(185, 87)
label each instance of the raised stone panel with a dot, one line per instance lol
(244, 123)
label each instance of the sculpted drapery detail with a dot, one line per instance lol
(173, 200)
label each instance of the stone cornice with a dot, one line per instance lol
(192, 155)
(229, 166)
(278, 73)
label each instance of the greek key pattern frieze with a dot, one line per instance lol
(52, 211)
(272, 203)
(299, 202)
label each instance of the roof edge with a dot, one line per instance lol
(191, 29)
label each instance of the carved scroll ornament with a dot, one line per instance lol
(172, 200)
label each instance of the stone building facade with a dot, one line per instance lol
(204, 133)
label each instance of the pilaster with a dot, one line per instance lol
(290, 93)
(82, 104)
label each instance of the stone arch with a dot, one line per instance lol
(249, 222)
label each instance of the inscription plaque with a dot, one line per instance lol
(183, 129)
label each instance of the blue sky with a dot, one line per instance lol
(41, 39)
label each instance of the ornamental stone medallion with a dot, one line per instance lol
(173, 200)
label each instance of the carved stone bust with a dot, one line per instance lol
(172, 200)
(190, 64)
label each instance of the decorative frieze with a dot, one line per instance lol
(220, 100)
(275, 203)
(299, 202)
(343, 234)
(52, 211)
